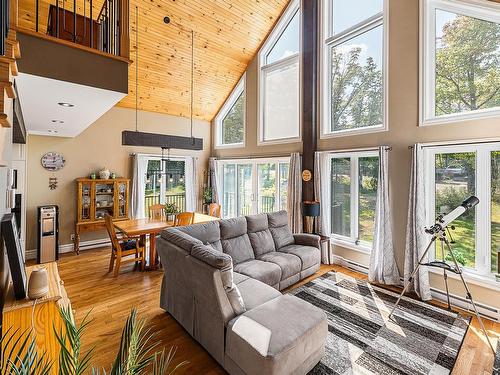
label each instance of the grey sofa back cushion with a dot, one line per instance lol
(208, 233)
(179, 238)
(235, 241)
(280, 231)
(259, 234)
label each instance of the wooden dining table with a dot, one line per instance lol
(150, 228)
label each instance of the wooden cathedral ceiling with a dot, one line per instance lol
(228, 33)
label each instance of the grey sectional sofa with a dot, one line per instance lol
(222, 282)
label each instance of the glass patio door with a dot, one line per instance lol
(253, 186)
(168, 187)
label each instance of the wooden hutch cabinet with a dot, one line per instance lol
(97, 197)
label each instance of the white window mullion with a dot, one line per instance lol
(483, 192)
(354, 198)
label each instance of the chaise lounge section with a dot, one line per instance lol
(222, 282)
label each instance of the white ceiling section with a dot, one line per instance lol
(39, 98)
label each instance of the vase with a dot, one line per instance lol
(104, 174)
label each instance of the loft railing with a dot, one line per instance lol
(5, 24)
(102, 25)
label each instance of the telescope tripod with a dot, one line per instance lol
(454, 267)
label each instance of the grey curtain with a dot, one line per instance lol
(416, 238)
(383, 268)
(212, 179)
(138, 193)
(322, 195)
(294, 201)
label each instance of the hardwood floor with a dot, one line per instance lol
(110, 299)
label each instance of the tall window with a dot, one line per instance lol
(353, 184)
(455, 173)
(230, 121)
(253, 186)
(279, 80)
(168, 187)
(461, 60)
(354, 66)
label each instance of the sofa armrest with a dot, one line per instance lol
(210, 256)
(307, 240)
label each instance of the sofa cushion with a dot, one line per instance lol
(277, 337)
(257, 223)
(255, 292)
(278, 225)
(230, 228)
(208, 233)
(235, 241)
(239, 278)
(309, 255)
(262, 242)
(290, 264)
(179, 238)
(268, 273)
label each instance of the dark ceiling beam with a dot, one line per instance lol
(310, 25)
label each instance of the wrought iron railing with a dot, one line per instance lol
(85, 22)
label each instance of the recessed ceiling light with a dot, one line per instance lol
(58, 121)
(53, 131)
(63, 104)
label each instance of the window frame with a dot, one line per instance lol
(255, 178)
(482, 191)
(328, 40)
(292, 9)
(351, 242)
(239, 89)
(486, 10)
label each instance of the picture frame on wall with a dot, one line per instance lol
(14, 255)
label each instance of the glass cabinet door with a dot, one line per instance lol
(104, 201)
(121, 200)
(86, 198)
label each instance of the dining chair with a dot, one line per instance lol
(156, 212)
(214, 209)
(124, 246)
(184, 218)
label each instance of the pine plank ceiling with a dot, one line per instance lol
(228, 34)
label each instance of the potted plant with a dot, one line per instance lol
(170, 210)
(136, 353)
(207, 198)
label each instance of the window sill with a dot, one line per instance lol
(488, 282)
(460, 117)
(350, 245)
(279, 141)
(234, 145)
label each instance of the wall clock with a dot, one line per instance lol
(53, 161)
(306, 175)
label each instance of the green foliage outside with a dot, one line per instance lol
(357, 90)
(232, 124)
(467, 66)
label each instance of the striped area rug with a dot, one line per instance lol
(423, 339)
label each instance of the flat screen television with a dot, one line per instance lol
(14, 254)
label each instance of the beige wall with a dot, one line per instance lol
(403, 130)
(97, 147)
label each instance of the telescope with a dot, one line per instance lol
(444, 221)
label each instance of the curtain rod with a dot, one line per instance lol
(256, 157)
(386, 148)
(159, 155)
(464, 143)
